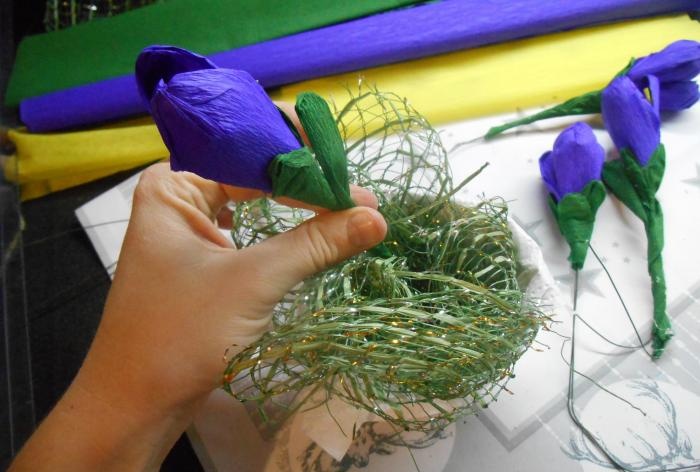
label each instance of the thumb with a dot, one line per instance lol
(318, 244)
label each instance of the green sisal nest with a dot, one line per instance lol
(416, 338)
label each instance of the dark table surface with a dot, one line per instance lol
(61, 291)
(52, 285)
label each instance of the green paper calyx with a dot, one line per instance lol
(320, 177)
(297, 175)
(575, 215)
(636, 186)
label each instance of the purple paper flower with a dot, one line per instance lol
(217, 123)
(575, 160)
(669, 75)
(630, 119)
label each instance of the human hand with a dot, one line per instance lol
(181, 296)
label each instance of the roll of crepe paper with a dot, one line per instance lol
(31, 190)
(47, 162)
(507, 78)
(495, 79)
(107, 47)
(390, 37)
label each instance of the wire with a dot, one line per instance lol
(571, 397)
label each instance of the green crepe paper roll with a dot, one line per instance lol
(106, 48)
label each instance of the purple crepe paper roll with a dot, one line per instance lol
(385, 38)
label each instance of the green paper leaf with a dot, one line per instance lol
(616, 180)
(654, 170)
(327, 144)
(319, 178)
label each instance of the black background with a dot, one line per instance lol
(53, 284)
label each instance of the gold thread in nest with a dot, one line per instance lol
(418, 338)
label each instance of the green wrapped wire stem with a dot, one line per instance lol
(417, 338)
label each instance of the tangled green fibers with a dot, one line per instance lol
(417, 338)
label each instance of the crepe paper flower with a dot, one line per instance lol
(630, 119)
(217, 123)
(220, 124)
(572, 173)
(635, 178)
(667, 74)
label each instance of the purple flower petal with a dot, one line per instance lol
(156, 63)
(217, 123)
(676, 62)
(576, 160)
(676, 96)
(550, 179)
(630, 119)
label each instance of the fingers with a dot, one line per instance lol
(224, 219)
(361, 196)
(210, 198)
(316, 245)
(205, 195)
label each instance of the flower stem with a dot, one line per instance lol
(581, 105)
(654, 227)
(636, 186)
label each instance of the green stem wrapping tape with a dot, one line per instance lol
(106, 48)
(654, 227)
(575, 215)
(636, 187)
(585, 104)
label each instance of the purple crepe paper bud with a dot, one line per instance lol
(669, 75)
(630, 119)
(575, 160)
(217, 123)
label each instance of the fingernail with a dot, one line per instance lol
(362, 229)
(364, 197)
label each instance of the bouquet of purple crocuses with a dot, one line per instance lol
(575, 170)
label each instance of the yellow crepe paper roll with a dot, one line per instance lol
(43, 163)
(489, 80)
